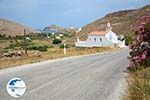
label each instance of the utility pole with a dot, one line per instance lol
(25, 43)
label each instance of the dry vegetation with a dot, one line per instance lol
(49, 50)
(52, 53)
(138, 85)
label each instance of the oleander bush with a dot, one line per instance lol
(140, 47)
(138, 82)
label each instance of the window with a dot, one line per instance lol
(100, 39)
(110, 37)
(94, 39)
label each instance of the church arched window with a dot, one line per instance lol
(100, 39)
(110, 37)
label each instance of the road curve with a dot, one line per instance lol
(90, 77)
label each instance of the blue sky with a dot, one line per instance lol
(66, 13)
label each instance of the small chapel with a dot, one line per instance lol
(105, 38)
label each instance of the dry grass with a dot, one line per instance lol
(41, 42)
(52, 53)
(3, 43)
(138, 86)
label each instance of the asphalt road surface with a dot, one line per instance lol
(90, 77)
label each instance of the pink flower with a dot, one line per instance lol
(144, 55)
(140, 42)
(141, 29)
(131, 65)
(143, 23)
(139, 37)
(135, 58)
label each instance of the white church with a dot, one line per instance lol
(102, 39)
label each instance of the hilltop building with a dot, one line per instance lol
(102, 39)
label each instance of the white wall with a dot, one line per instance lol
(95, 38)
(112, 37)
(95, 41)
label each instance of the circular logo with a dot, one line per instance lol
(16, 87)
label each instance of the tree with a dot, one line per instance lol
(1, 35)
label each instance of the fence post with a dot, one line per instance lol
(65, 50)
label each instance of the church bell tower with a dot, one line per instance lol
(109, 27)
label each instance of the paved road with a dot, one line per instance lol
(92, 77)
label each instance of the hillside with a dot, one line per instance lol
(55, 29)
(12, 28)
(122, 21)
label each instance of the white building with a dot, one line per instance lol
(101, 39)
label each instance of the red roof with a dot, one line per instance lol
(98, 33)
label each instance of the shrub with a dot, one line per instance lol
(66, 34)
(50, 46)
(39, 48)
(42, 48)
(11, 46)
(140, 47)
(128, 40)
(32, 47)
(18, 37)
(18, 43)
(2, 35)
(56, 41)
(62, 46)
